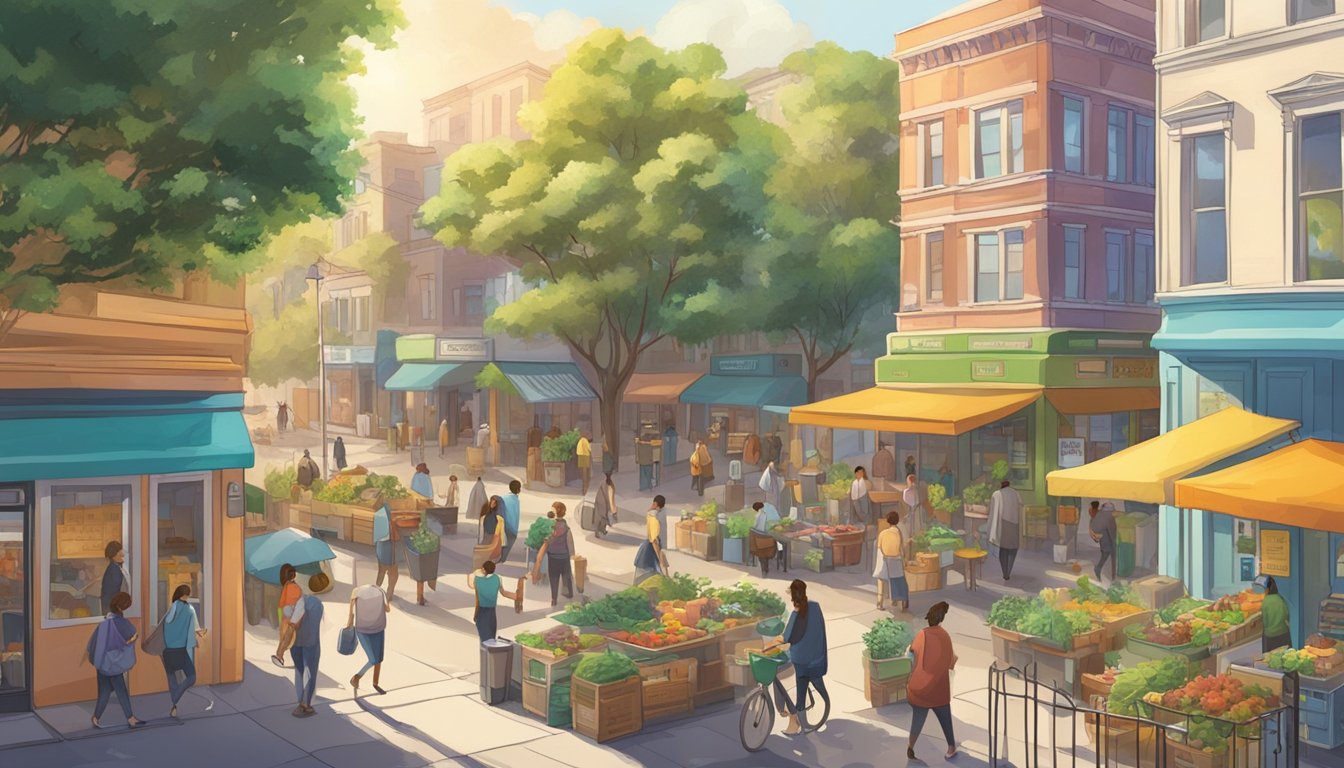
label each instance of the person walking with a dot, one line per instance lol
(444, 434)
(282, 416)
(513, 514)
(889, 565)
(772, 483)
(534, 438)
(644, 460)
(338, 453)
(454, 493)
(182, 632)
(650, 558)
(487, 586)
(492, 525)
(763, 546)
(1276, 631)
(860, 505)
(290, 593)
(930, 686)
(369, 607)
(421, 482)
(1103, 530)
(557, 550)
(1005, 519)
(477, 500)
(583, 454)
(307, 471)
(806, 635)
(385, 549)
(702, 467)
(751, 451)
(307, 650)
(884, 464)
(111, 650)
(604, 507)
(115, 577)
(912, 499)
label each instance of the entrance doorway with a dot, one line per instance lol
(15, 635)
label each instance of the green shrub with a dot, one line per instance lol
(888, 638)
(280, 481)
(840, 471)
(1000, 471)
(562, 448)
(739, 525)
(539, 532)
(814, 558)
(422, 541)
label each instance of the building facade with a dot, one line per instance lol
(1251, 265)
(122, 421)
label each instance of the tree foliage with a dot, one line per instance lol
(140, 139)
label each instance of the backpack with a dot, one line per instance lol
(559, 540)
(112, 655)
(305, 474)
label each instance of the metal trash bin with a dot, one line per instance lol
(496, 670)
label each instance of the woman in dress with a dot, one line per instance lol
(421, 482)
(930, 686)
(650, 558)
(492, 525)
(889, 569)
(115, 578)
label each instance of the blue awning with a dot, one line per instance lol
(779, 410)
(264, 555)
(423, 377)
(746, 391)
(548, 382)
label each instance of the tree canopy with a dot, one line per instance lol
(140, 139)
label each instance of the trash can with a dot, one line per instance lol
(496, 669)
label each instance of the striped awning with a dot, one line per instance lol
(547, 382)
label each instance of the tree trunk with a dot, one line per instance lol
(609, 408)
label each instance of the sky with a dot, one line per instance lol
(450, 42)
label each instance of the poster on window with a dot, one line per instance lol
(1070, 452)
(1099, 427)
(1275, 553)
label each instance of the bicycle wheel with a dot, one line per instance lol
(757, 720)
(805, 720)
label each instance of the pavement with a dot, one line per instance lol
(432, 713)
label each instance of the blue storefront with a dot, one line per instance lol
(1276, 354)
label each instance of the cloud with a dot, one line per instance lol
(751, 33)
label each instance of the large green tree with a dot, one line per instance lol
(140, 139)
(629, 208)
(828, 268)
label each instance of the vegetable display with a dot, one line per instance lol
(739, 525)
(1007, 612)
(1180, 606)
(937, 538)
(626, 610)
(347, 489)
(539, 531)
(678, 586)
(1319, 657)
(562, 448)
(1149, 677)
(422, 541)
(605, 667)
(561, 641)
(1216, 696)
(746, 600)
(1196, 627)
(1043, 616)
(888, 638)
(670, 631)
(813, 558)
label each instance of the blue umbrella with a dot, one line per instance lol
(263, 555)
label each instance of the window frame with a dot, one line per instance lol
(973, 249)
(428, 300)
(1149, 174)
(466, 299)
(207, 552)
(1301, 263)
(1191, 30)
(1006, 110)
(360, 307)
(1189, 213)
(928, 178)
(130, 531)
(1125, 145)
(1151, 275)
(929, 239)
(1295, 17)
(1082, 132)
(1125, 268)
(1081, 229)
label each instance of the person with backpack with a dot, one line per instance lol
(111, 650)
(307, 650)
(557, 550)
(181, 634)
(307, 471)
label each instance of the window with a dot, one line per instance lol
(427, 298)
(1205, 20)
(1213, 397)
(933, 154)
(999, 274)
(1207, 211)
(79, 520)
(1073, 134)
(433, 180)
(1117, 243)
(1320, 197)
(1009, 441)
(1145, 267)
(361, 304)
(496, 115)
(473, 304)
(1306, 10)
(933, 249)
(998, 149)
(1117, 144)
(341, 307)
(1145, 151)
(1073, 261)
(361, 183)
(180, 541)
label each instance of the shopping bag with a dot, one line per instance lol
(346, 643)
(580, 572)
(153, 643)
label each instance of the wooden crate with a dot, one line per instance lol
(545, 667)
(606, 712)
(1248, 630)
(1005, 641)
(300, 517)
(674, 695)
(361, 532)
(923, 573)
(712, 684)
(683, 529)
(536, 697)
(1093, 688)
(847, 552)
(1114, 629)
(880, 693)
(1185, 756)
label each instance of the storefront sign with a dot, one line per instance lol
(1276, 553)
(1071, 452)
(739, 365)
(1089, 369)
(987, 370)
(1133, 368)
(464, 349)
(1120, 343)
(934, 343)
(1000, 344)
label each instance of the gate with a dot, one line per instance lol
(1045, 722)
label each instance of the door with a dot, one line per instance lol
(15, 635)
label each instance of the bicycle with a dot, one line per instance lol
(758, 711)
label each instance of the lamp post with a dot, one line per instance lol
(315, 275)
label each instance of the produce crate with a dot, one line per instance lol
(300, 517)
(542, 666)
(1159, 591)
(1247, 755)
(1248, 630)
(886, 669)
(608, 711)
(880, 693)
(711, 683)
(1093, 687)
(1120, 741)
(668, 688)
(738, 666)
(743, 632)
(684, 528)
(924, 573)
(361, 532)
(1086, 642)
(1114, 629)
(847, 553)
(706, 545)
(1155, 651)
(550, 702)
(1005, 642)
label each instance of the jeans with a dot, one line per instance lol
(557, 568)
(107, 685)
(305, 672)
(509, 538)
(1106, 555)
(372, 645)
(944, 715)
(487, 623)
(1006, 559)
(645, 477)
(178, 660)
(792, 707)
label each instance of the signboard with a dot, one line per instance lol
(464, 349)
(739, 364)
(933, 343)
(1089, 369)
(347, 355)
(1133, 368)
(1276, 553)
(339, 355)
(1071, 452)
(987, 370)
(990, 343)
(1120, 343)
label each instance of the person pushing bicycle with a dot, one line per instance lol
(806, 635)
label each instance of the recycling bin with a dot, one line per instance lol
(496, 670)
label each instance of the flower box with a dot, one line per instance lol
(885, 669)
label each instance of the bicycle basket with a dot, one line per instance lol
(766, 668)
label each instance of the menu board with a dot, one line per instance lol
(1276, 553)
(82, 533)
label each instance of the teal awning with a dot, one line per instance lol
(122, 443)
(746, 391)
(547, 382)
(778, 410)
(423, 377)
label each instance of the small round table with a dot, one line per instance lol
(972, 559)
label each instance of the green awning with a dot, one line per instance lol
(151, 443)
(747, 391)
(423, 377)
(548, 382)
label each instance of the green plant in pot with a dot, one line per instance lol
(556, 453)
(999, 471)
(735, 537)
(977, 495)
(885, 648)
(941, 502)
(814, 559)
(422, 554)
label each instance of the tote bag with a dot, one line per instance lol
(895, 567)
(112, 655)
(153, 642)
(346, 643)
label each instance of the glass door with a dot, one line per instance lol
(15, 501)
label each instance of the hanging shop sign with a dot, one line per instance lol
(1071, 452)
(992, 369)
(1133, 368)
(1276, 553)
(464, 349)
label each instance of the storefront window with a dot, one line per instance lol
(181, 539)
(1213, 398)
(938, 460)
(79, 520)
(1009, 441)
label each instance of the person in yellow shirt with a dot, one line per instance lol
(650, 558)
(890, 565)
(584, 453)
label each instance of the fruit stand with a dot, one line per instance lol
(1062, 642)
(548, 661)
(1320, 669)
(1196, 628)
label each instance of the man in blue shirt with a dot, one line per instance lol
(307, 649)
(512, 515)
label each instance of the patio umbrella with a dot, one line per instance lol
(263, 555)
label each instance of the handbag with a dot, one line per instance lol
(895, 567)
(153, 642)
(113, 656)
(346, 643)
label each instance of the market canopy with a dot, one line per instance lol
(1148, 471)
(547, 382)
(746, 391)
(423, 377)
(263, 555)
(915, 411)
(658, 388)
(1300, 485)
(1085, 401)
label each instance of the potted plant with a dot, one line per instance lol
(537, 534)
(422, 554)
(705, 535)
(886, 663)
(735, 538)
(556, 454)
(815, 559)
(999, 471)
(839, 478)
(976, 498)
(941, 541)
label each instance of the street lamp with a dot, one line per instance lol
(315, 275)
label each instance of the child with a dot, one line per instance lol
(290, 594)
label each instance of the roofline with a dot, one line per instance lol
(457, 92)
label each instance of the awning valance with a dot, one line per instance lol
(746, 391)
(917, 411)
(547, 382)
(658, 388)
(1083, 401)
(423, 377)
(1148, 471)
(1300, 485)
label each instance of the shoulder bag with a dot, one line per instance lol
(113, 656)
(153, 643)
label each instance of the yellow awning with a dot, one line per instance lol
(917, 411)
(1148, 471)
(1082, 401)
(1301, 485)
